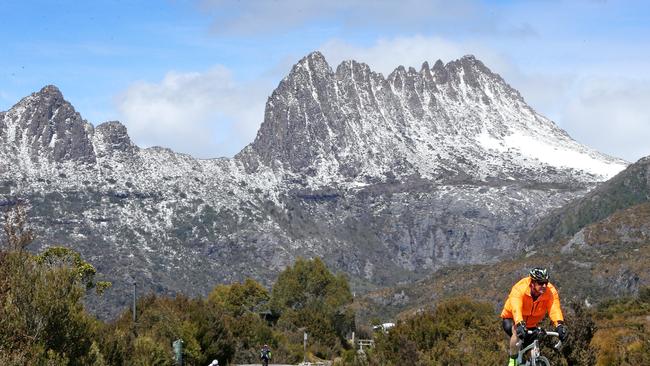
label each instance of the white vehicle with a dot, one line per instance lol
(383, 327)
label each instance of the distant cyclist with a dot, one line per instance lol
(265, 355)
(529, 301)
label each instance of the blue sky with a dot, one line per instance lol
(194, 75)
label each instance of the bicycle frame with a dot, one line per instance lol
(534, 348)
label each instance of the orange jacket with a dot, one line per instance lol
(520, 305)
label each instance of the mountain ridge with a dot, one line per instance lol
(362, 124)
(361, 170)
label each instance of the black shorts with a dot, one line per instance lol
(507, 327)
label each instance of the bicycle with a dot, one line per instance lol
(536, 358)
(265, 355)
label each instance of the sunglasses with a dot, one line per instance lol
(541, 283)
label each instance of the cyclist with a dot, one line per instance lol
(529, 301)
(265, 355)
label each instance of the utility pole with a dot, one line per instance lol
(304, 348)
(134, 285)
(178, 352)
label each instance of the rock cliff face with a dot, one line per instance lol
(385, 178)
(449, 122)
(44, 126)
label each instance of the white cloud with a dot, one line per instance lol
(611, 115)
(386, 54)
(205, 114)
(545, 91)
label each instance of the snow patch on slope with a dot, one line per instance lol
(555, 154)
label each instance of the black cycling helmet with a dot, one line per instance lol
(539, 274)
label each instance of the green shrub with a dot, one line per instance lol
(457, 331)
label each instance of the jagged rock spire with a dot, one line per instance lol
(46, 126)
(453, 117)
(112, 137)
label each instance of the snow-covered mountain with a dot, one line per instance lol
(458, 119)
(385, 178)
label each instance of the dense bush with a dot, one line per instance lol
(623, 336)
(244, 306)
(235, 320)
(159, 322)
(457, 331)
(42, 319)
(308, 297)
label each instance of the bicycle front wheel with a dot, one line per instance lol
(541, 361)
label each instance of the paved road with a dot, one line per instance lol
(276, 364)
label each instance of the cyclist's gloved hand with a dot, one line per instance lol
(562, 331)
(521, 330)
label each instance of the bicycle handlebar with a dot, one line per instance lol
(537, 330)
(556, 334)
(559, 342)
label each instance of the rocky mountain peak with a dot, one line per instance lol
(315, 60)
(458, 117)
(49, 97)
(425, 68)
(112, 137)
(469, 62)
(351, 66)
(52, 90)
(46, 126)
(312, 65)
(49, 92)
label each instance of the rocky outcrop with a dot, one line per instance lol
(111, 138)
(44, 126)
